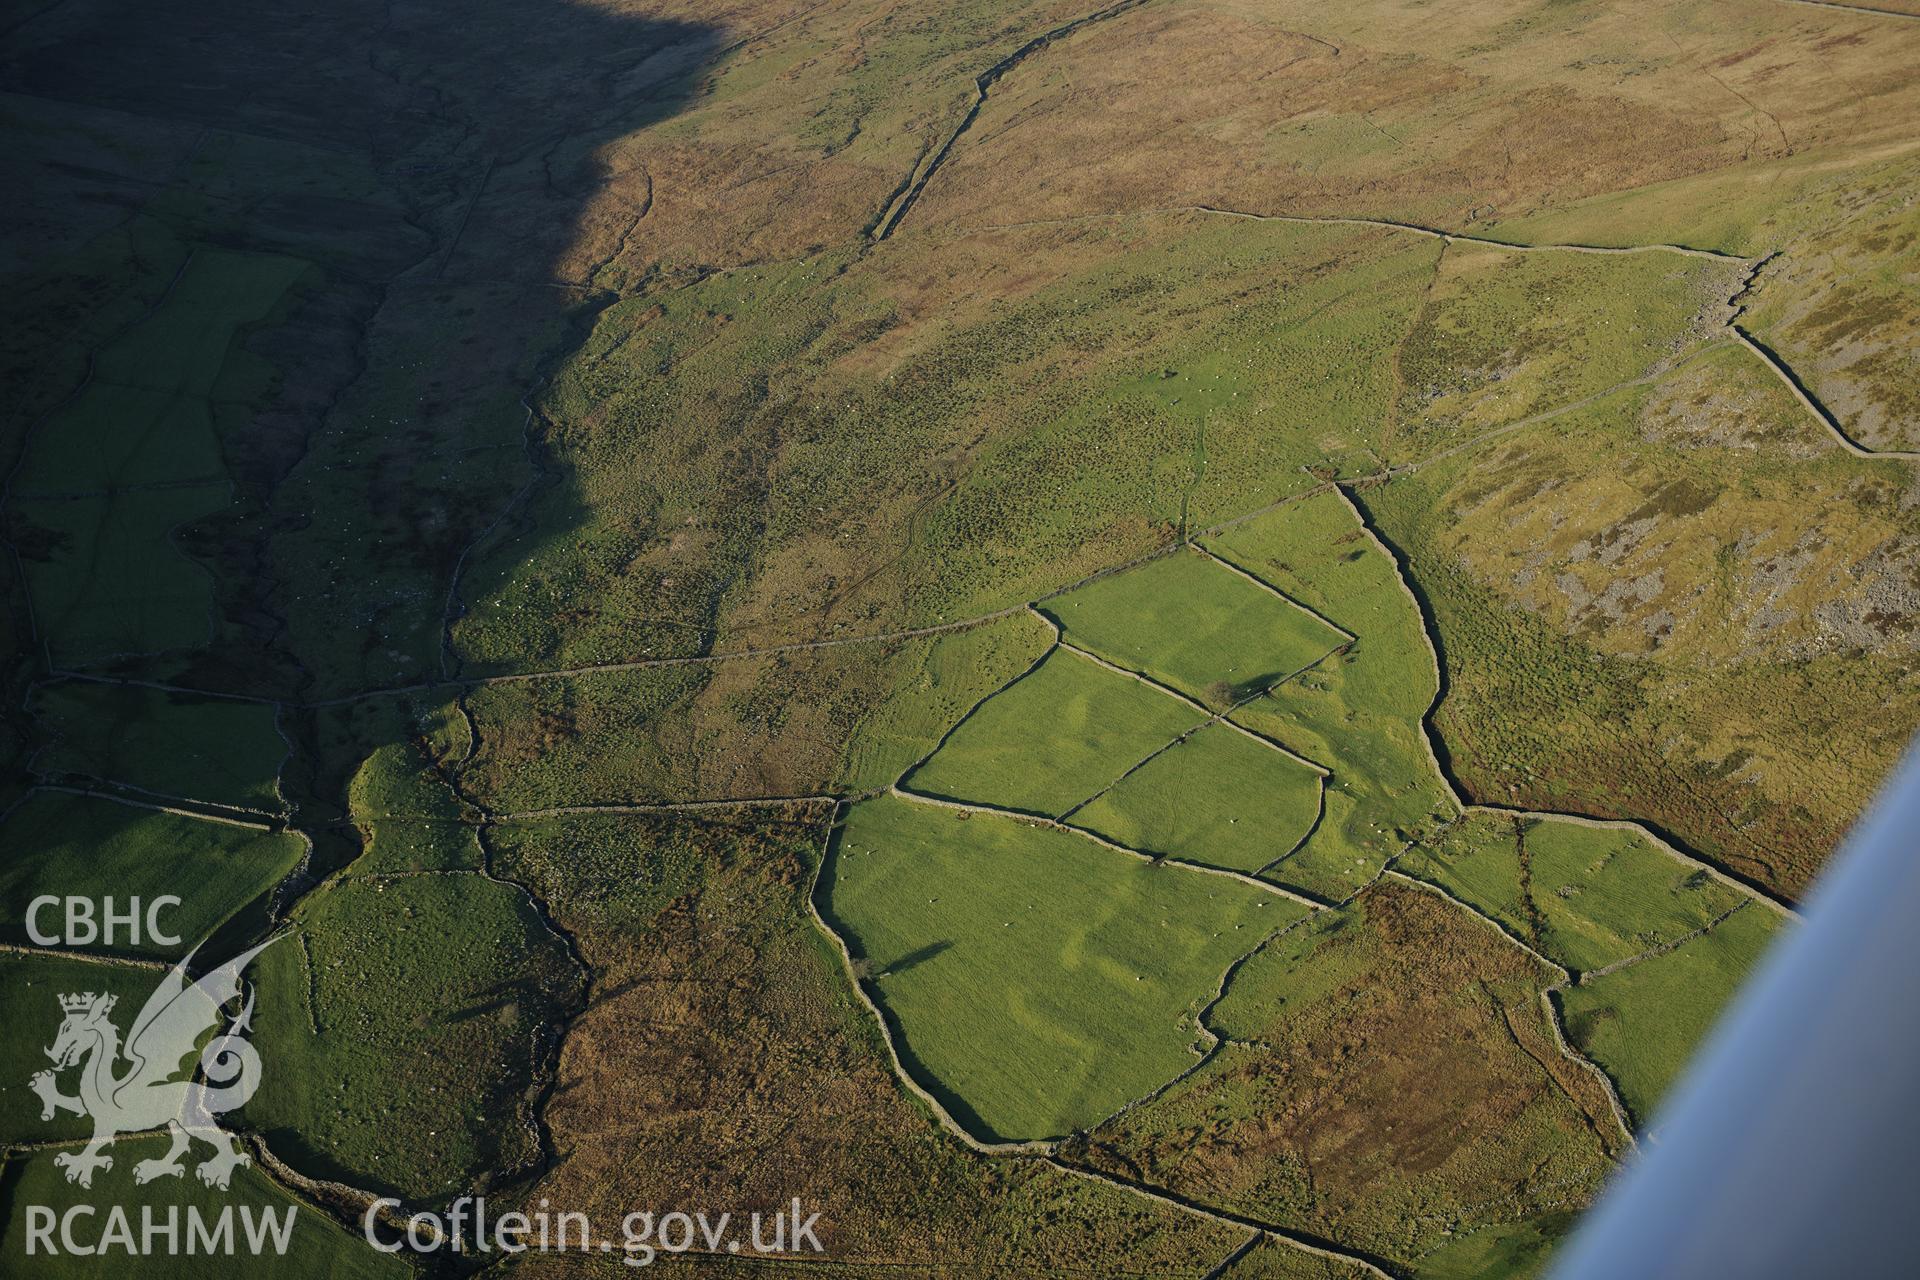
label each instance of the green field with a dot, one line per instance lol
(80, 846)
(106, 574)
(1053, 738)
(212, 749)
(1584, 896)
(939, 684)
(401, 1024)
(148, 415)
(1358, 714)
(401, 796)
(108, 580)
(1196, 625)
(30, 991)
(1220, 797)
(1038, 979)
(318, 1248)
(1643, 1023)
(609, 480)
(701, 938)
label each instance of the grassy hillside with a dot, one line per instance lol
(540, 507)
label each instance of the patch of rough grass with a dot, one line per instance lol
(1391, 1082)
(1272, 1260)
(1642, 1023)
(1219, 797)
(409, 817)
(1053, 738)
(1192, 623)
(599, 736)
(1584, 896)
(935, 682)
(401, 794)
(80, 846)
(725, 1060)
(402, 1025)
(212, 749)
(1669, 567)
(1504, 335)
(1499, 1249)
(1039, 980)
(1358, 714)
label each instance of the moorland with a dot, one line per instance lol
(1182, 638)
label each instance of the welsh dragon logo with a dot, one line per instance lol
(132, 1086)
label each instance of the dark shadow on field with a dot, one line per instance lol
(1227, 693)
(918, 956)
(368, 138)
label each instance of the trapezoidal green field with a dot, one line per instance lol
(1220, 796)
(1191, 622)
(1053, 738)
(1039, 979)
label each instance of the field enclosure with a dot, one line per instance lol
(1174, 637)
